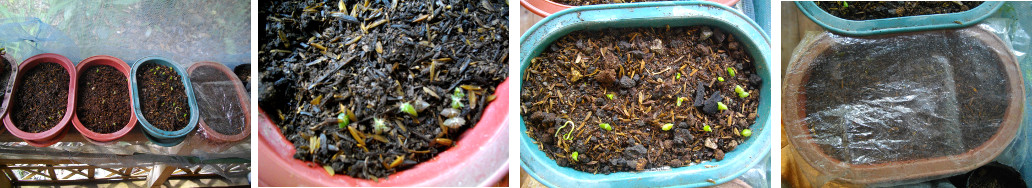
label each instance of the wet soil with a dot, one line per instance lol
(42, 98)
(599, 2)
(163, 97)
(217, 98)
(103, 99)
(873, 101)
(870, 10)
(367, 59)
(646, 70)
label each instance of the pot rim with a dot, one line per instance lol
(158, 134)
(7, 87)
(545, 8)
(58, 129)
(122, 67)
(793, 102)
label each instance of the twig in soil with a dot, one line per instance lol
(330, 72)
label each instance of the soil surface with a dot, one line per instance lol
(870, 10)
(218, 101)
(42, 98)
(872, 101)
(103, 99)
(599, 2)
(163, 97)
(645, 70)
(243, 72)
(5, 74)
(367, 60)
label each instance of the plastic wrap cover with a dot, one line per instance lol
(219, 102)
(904, 106)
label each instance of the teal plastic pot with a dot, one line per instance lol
(656, 14)
(156, 135)
(897, 24)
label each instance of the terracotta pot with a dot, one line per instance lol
(122, 67)
(794, 103)
(11, 63)
(210, 133)
(54, 134)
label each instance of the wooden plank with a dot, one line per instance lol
(159, 174)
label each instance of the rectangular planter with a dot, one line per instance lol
(898, 24)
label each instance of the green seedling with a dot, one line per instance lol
(668, 126)
(707, 128)
(342, 120)
(457, 98)
(679, 100)
(610, 96)
(721, 106)
(379, 126)
(743, 94)
(731, 72)
(746, 132)
(408, 108)
(678, 76)
(721, 79)
(738, 89)
(574, 156)
(606, 126)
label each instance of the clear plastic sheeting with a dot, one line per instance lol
(880, 109)
(219, 103)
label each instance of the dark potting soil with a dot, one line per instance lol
(870, 10)
(218, 101)
(599, 2)
(163, 97)
(103, 99)
(243, 72)
(645, 70)
(5, 74)
(320, 60)
(874, 101)
(42, 98)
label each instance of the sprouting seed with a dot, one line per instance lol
(408, 108)
(606, 126)
(342, 120)
(679, 100)
(738, 89)
(450, 112)
(458, 93)
(746, 132)
(379, 126)
(721, 106)
(454, 123)
(721, 79)
(743, 94)
(574, 156)
(668, 126)
(707, 128)
(610, 96)
(678, 76)
(731, 72)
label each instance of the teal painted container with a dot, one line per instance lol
(898, 24)
(156, 135)
(653, 14)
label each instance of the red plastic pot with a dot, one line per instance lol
(544, 8)
(210, 133)
(7, 86)
(794, 101)
(122, 67)
(51, 136)
(479, 158)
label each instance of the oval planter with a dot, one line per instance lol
(897, 24)
(653, 14)
(158, 136)
(54, 134)
(241, 96)
(121, 66)
(544, 8)
(7, 84)
(479, 158)
(794, 102)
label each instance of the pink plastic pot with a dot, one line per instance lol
(121, 66)
(7, 86)
(479, 158)
(210, 133)
(544, 8)
(49, 137)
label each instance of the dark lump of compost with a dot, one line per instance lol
(872, 101)
(42, 98)
(370, 88)
(870, 10)
(103, 99)
(163, 97)
(217, 99)
(639, 82)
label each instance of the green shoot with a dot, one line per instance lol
(668, 126)
(606, 126)
(731, 72)
(721, 106)
(721, 79)
(746, 132)
(610, 96)
(706, 128)
(574, 156)
(679, 100)
(342, 120)
(407, 108)
(678, 76)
